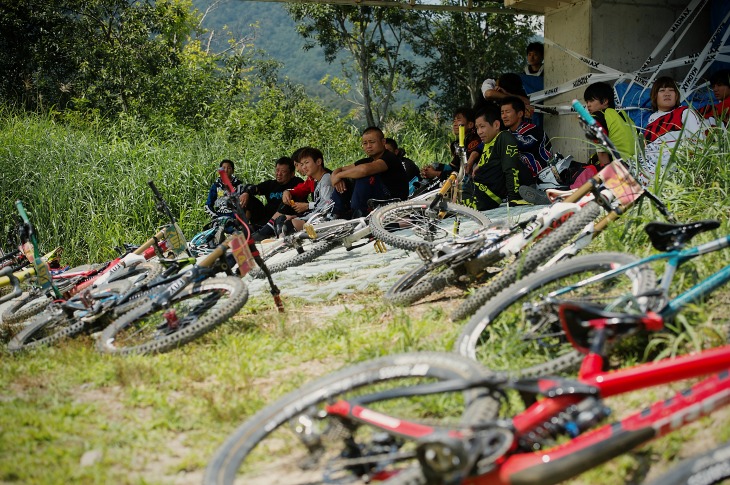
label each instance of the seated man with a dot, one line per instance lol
(217, 204)
(499, 171)
(318, 184)
(720, 84)
(378, 176)
(411, 168)
(463, 116)
(532, 142)
(259, 214)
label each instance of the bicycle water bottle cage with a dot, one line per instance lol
(576, 318)
(668, 237)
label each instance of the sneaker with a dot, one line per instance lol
(266, 232)
(533, 195)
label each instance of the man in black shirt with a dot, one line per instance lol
(259, 214)
(378, 176)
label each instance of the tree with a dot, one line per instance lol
(373, 37)
(109, 56)
(463, 49)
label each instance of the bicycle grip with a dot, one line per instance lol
(583, 112)
(21, 211)
(462, 135)
(154, 189)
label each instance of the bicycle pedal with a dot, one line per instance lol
(311, 231)
(380, 246)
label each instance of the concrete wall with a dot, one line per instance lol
(618, 33)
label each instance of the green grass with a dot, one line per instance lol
(70, 415)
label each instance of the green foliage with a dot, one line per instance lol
(374, 38)
(86, 188)
(464, 48)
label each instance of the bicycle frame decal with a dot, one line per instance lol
(175, 238)
(619, 181)
(241, 253)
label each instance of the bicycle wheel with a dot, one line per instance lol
(264, 450)
(530, 261)
(196, 310)
(54, 324)
(25, 307)
(519, 331)
(421, 282)
(408, 224)
(709, 468)
(284, 255)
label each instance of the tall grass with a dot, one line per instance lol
(69, 415)
(86, 187)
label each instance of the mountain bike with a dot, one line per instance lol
(429, 217)
(555, 233)
(294, 419)
(185, 301)
(550, 429)
(168, 240)
(521, 326)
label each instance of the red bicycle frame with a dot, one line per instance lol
(594, 447)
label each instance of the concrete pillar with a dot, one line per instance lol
(618, 33)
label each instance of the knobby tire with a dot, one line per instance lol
(529, 261)
(519, 332)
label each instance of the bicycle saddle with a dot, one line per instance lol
(667, 237)
(575, 317)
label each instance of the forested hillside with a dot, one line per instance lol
(271, 28)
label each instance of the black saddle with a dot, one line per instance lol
(668, 237)
(574, 317)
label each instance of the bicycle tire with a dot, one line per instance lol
(406, 225)
(25, 307)
(394, 370)
(518, 332)
(45, 328)
(311, 253)
(709, 468)
(419, 283)
(134, 333)
(530, 261)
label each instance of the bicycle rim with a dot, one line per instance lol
(519, 332)
(194, 311)
(272, 446)
(408, 224)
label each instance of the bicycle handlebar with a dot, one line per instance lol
(161, 204)
(21, 211)
(583, 112)
(462, 135)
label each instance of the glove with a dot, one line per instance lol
(518, 203)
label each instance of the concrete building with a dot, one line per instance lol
(618, 33)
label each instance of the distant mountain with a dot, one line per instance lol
(276, 35)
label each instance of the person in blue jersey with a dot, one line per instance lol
(217, 203)
(532, 142)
